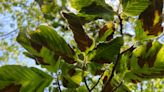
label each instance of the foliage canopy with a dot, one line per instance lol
(102, 56)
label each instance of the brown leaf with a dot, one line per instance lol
(82, 39)
(71, 72)
(105, 28)
(11, 88)
(65, 82)
(135, 81)
(152, 17)
(40, 60)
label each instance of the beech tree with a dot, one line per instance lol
(87, 46)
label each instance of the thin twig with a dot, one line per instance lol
(114, 89)
(121, 25)
(97, 81)
(112, 73)
(85, 81)
(84, 78)
(8, 33)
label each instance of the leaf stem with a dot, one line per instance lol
(121, 25)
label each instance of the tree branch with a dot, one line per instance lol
(97, 81)
(85, 81)
(112, 73)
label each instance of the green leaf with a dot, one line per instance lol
(107, 52)
(146, 53)
(47, 40)
(25, 41)
(78, 4)
(93, 8)
(52, 63)
(146, 62)
(82, 89)
(23, 79)
(99, 11)
(139, 31)
(152, 24)
(82, 39)
(69, 90)
(159, 58)
(134, 7)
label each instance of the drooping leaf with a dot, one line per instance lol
(82, 39)
(134, 7)
(16, 78)
(152, 17)
(107, 52)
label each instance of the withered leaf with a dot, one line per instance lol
(11, 88)
(82, 39)
(152, 17)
